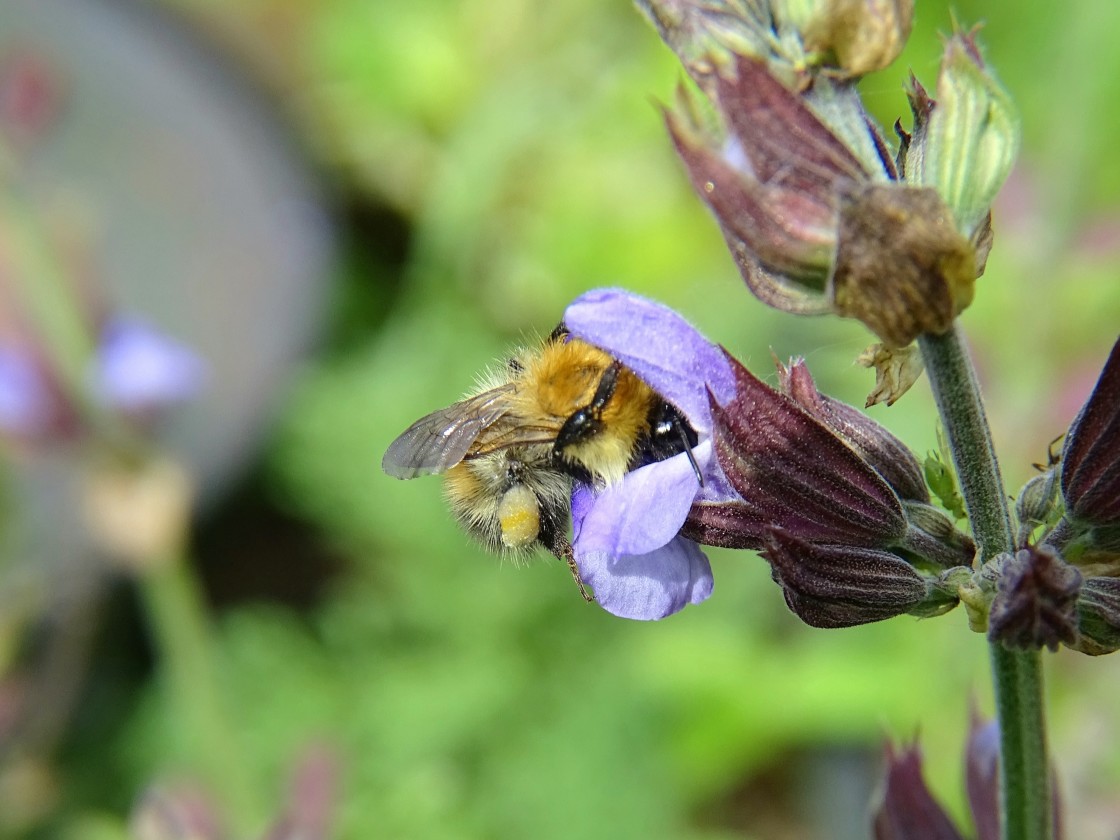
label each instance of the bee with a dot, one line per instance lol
(510, 453)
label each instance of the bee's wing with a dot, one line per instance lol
(439, 441)
(503, 435)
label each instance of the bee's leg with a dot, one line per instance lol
(562, 550)
(565, 553)
(607, 383)
(561, 332)
(553, 535)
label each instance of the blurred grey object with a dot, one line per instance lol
(200, 217)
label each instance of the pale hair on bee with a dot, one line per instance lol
(556, 413)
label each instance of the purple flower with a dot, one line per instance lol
(27, 400)
(626, 536)
(133, 371)
(906, 810)
(138, 369)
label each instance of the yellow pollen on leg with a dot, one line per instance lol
(519, 515)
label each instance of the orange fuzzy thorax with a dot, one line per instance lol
(563, 379)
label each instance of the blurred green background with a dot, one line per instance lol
(482, 162)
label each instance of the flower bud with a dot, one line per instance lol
(777, 170)
(773, 183)
(861, 36)
(1098, 616)
(844, 38)
(705, 35)
(841, 586)
(934, 539)
(878, 447)
(982, 775)
(1037, 504)
(1035, 605)
(906, 809)
(965, 140)
(1090, 470)
(942, 480)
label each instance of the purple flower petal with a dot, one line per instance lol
(660, 346)
(642, 512)
(138, 369)
(650, 586)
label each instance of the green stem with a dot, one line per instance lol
(181, 634)
(1017, 676)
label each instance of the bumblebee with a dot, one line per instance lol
(557, 413)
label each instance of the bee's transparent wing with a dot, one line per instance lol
(439, 441)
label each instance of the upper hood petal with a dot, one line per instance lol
(660, 346)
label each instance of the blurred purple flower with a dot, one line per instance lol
(184, 810)
(982, 776)
(28, 403)
(906, 809)
(626, 536)
(138, 369)
(133, 372)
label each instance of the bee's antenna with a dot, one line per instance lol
(688, 452)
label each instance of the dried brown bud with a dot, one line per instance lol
(902, 267)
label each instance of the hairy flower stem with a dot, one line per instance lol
(181, 635)
(1017, 676)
